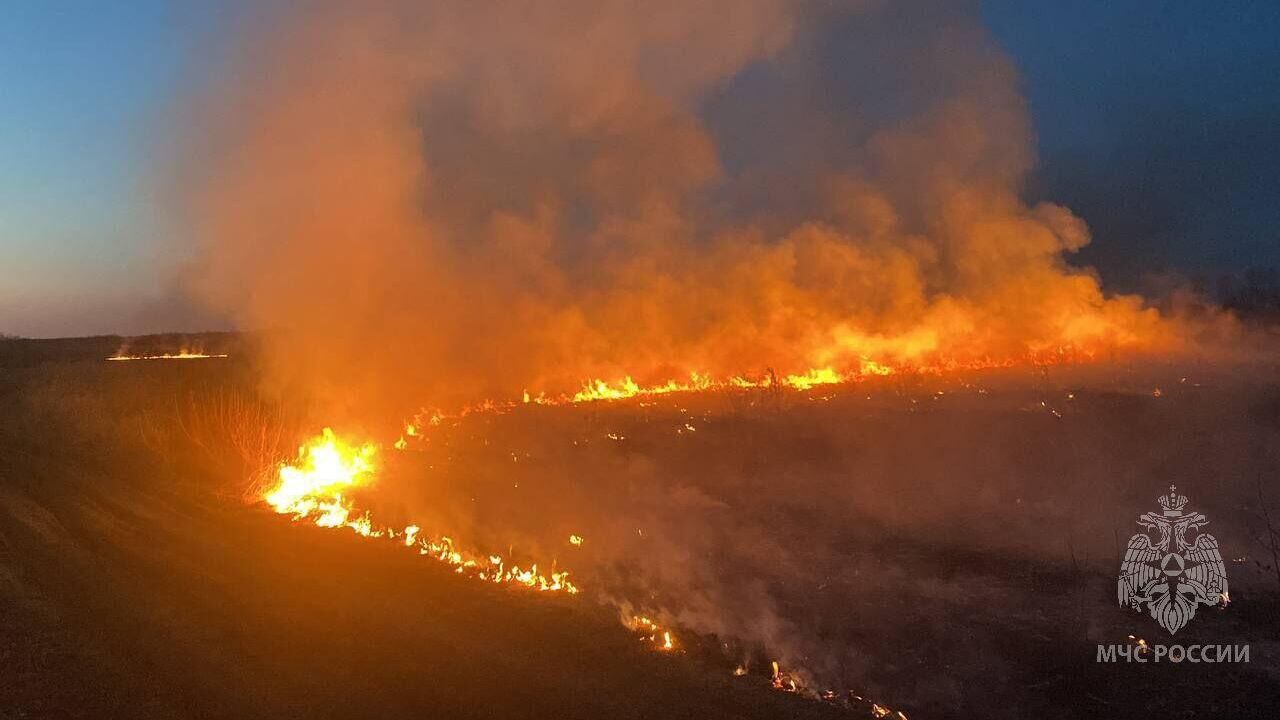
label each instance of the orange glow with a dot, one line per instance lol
(626, 388)
(820, 376)
(317, 489)
(653, 633)
(180, 355)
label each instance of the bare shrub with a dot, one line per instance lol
(241, 436)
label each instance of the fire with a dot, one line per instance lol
(317, 489)
(783, 680)
(819, 376)
(180, 355)
(600, 390)
(653, 633)
(625, 388)
(318, 485)
(871, 367)
(328, 467)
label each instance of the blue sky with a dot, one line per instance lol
(84, 92)
(1158, 122)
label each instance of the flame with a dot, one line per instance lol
(328, 467)
(317, 489)
(818, 376)
(180, 355)
(782, 680)
(871, 367)
(318, 485)
(652, 632)
(600, 390)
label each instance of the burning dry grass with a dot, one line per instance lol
(327, 469)
(884, 540)
(130, 588)
(180, 355)
(750, 536)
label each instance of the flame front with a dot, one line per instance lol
(180, 355)
(317, 489)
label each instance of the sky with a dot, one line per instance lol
(85, 90)
(1157, 122)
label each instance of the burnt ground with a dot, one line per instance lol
(949, 555)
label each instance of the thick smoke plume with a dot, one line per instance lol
(427, 204)
(435, 202)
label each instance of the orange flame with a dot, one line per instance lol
(317, 488)
(181, 355)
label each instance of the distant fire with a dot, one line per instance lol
(181, 355)
(626, 388)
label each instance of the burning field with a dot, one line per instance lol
(628, 360)
(935, 545)
(848, 542)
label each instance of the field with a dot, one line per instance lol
(944, 546)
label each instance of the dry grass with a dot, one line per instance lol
(132, 584)
(234, 430)
(889, 533)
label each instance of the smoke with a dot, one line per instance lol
(424, 204)
(433, 202)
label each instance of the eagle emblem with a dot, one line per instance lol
(1172, 575)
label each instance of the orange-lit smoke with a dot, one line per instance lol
(425, 202)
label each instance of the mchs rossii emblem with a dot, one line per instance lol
(1171, 576)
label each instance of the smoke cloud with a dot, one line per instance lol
(436, 202)
(430, 203)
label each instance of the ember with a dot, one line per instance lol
(653, 633)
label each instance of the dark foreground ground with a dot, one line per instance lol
(136, 583)
(966, 573)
